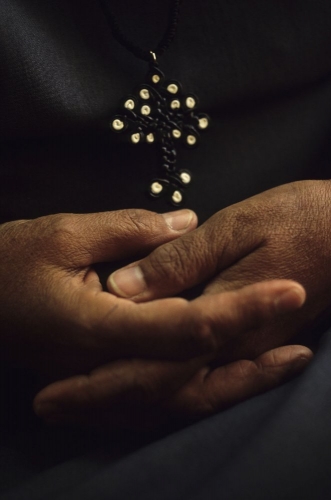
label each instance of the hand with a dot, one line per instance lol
(145, 394)
(54, 316)
(281, 233)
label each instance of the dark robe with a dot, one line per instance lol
(261, 70)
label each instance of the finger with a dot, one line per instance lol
(259, 266)
(210, 391)
(139, 394)
(191, 259)
(89, 238)
(125, 394)
(177, 329)
(114, 386)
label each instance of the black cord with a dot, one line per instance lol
(137, 51)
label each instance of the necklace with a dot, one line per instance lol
(158, 111)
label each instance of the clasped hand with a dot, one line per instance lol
(135, 359)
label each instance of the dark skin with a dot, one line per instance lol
(108, 355)
(281, 233)
(52, 304)
(140, 394)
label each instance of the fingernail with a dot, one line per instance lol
(297, 366)
(290, 300)
(179, 220)
(128, 282)
(301, 362)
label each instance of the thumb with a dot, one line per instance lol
(188, 261)
(85, 239)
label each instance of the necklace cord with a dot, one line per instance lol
(164, 43)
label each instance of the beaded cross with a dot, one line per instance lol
(158, 111)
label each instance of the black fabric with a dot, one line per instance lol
(274, 446)
(262, 71)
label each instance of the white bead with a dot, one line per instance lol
(191, 140)
(185, 177)
(176, 133)
(172, 88)
(177, 197)
(156, 188)
(190, 102)
(150, 138)
(156, 78)
(145, 110)
(175, 104)
(144, 94)
(117, 124)
(203, 123)
(135, 138)
(129, 104)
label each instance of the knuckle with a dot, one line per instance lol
(52, 228)
(195, 399)
(244, 217)
(138, 220)
(61, 236)
(39, 239)
(204, 405)
(173, 261)
(247, 369)
(211, 403)
(203, 335)
(224, 232)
